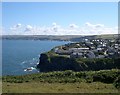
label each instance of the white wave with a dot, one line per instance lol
(33, 58)
(23, 62)
(30, 69)
(37, 63)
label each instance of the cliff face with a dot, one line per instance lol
(56, 63)
(44, 59)
(60, 63)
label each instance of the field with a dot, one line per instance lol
(39, 87)
(104, 81)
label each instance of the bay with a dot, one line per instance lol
(17, 55)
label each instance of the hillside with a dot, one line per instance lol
(104, 81)
(56, 37)
(93, 54)
(60, 63)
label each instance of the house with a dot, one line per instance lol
(90, 54)
(92, 47)
(116, 46)
(63, 52)
(76, 55)
(99, 49)
(111, 49)
(55, 50)
(78, 49)
(100, 56)
(95, 48)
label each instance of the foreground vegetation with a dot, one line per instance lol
(105, 76)
(40, 87)
(86, 81)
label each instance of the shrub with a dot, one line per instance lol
(89, 79)
(68, 73)
(80, 74)
(117, 82)
(105, 76)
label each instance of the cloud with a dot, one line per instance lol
(88, 24)
(72, 29)
(18, 25)
(15, 26)
(99, 25)
(55, 27)
(96, 29)
(73, 26)
(28, 28)
(54, 24)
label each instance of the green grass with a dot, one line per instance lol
(68, 76)
(40, 87)
(109, 36)
(104, 81)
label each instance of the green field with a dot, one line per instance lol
(104, 81)
(39, 87)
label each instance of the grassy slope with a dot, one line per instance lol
(62, 82)
(39, 87)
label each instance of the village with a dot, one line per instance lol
(91, 48)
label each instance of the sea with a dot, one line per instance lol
(20, 57)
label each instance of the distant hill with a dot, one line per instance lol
(57, 37)
(40, 37)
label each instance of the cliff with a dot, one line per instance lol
(52, 62)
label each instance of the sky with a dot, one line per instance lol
(59, 18)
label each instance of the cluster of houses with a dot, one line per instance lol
(95, 48)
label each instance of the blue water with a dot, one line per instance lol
(17, 55)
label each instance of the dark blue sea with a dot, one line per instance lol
(18, 55)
